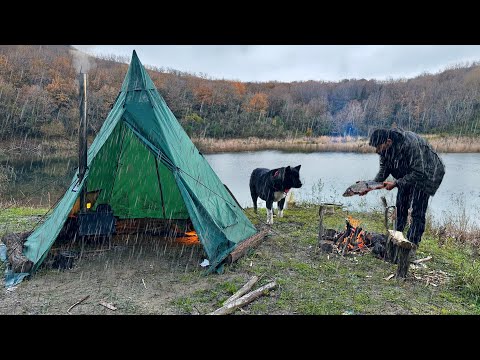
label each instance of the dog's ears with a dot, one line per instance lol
(296, 168)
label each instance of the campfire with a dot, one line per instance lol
(392, 246)
(353, 239)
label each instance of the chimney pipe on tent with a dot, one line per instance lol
(82, 138)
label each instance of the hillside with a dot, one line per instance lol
(39, 98)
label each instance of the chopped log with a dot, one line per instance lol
(390, 250)
(78, 302)
(340, 238)
(243, 290)
(402, 251)
(403, 263)
(345, 246)
(399, 240)
(245, 299)
(245, 245)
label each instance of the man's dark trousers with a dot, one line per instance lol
(411, 195)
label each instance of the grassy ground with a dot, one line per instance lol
(145, 277)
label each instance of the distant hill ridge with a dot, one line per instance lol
(39, 98)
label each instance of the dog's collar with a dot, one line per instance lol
(278, 176)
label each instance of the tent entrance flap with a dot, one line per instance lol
(135, 183)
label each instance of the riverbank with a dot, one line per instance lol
(69, 148)
(442, 144)
(143, 280)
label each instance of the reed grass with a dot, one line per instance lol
(65, 147)
(442, 144)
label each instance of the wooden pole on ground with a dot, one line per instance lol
(244, 246)
(243, 290)
(244, 300)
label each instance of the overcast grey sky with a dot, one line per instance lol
(287, 63)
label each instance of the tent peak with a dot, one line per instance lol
(137, 77)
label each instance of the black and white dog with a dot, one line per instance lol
(273, 185)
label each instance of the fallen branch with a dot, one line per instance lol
(107, 305)
(244, 289)
(245, 299)
(245, 245)
(422, 260)
(78, 302)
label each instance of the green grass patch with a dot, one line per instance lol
(312, 282)
(20, 219)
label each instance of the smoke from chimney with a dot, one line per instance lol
(82, 62)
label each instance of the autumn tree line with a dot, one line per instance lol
(39, 98)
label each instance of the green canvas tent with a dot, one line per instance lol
(147, 167)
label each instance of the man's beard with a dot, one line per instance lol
(388, 151)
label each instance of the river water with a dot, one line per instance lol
(325, 177)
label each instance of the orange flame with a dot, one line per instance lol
(360, 240)
(353, 222)
(190, 238)
(351, 241)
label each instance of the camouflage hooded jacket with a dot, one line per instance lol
(412, 161)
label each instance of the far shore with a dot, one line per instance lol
(66, 148)
(442, 144)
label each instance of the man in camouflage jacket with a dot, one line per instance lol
(418, 172)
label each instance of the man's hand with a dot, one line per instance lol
(389, 185)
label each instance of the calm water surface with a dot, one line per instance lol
(325, 177)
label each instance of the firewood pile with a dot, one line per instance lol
(14, 243)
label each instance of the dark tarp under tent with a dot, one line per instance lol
(145, 166)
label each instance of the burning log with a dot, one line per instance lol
(244, 246)
(327, 239)
(353, 238)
